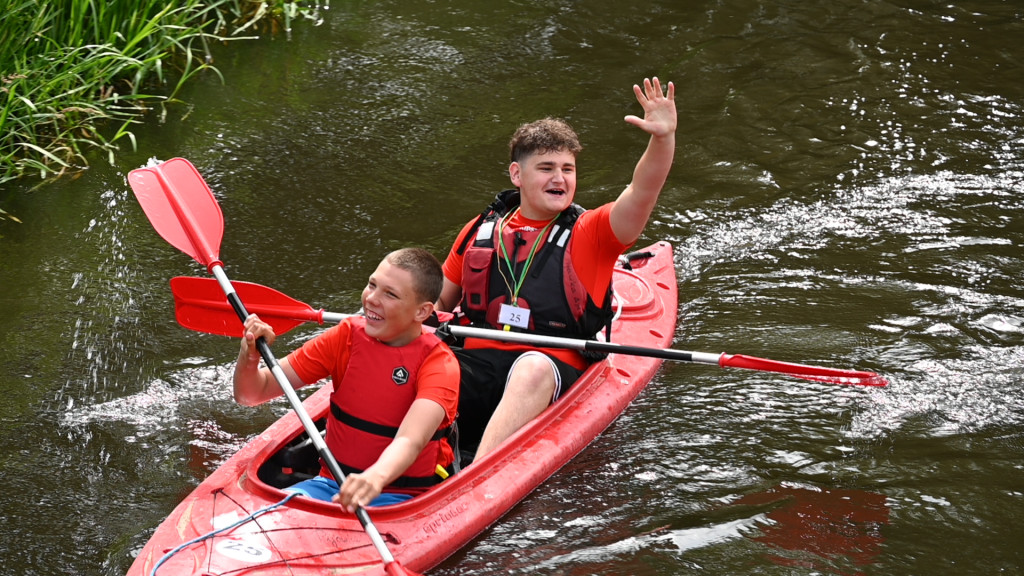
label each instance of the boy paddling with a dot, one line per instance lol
(395, 386)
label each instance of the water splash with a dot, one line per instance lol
(681, 541)
(950, 396)
(162, 404)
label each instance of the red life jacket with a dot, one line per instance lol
(370, 402)
(569, 312)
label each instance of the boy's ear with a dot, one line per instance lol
(425, 311)
(515, 173)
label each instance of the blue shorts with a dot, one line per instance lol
(324, 489)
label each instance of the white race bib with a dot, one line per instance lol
(514, 316)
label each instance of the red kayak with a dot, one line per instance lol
(240, 522)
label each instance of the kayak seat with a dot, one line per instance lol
(297, 461)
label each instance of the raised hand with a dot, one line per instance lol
(659, 108)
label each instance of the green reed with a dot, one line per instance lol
(75, 75)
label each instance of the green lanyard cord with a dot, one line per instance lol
(508, 261)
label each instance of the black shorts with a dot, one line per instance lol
(484, 374)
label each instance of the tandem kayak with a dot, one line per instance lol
(239, 521)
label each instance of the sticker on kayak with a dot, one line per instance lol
(243, 551)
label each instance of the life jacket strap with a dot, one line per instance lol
(375, 428)
(500, 205)
(403, 481)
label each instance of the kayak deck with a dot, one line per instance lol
(301, 536)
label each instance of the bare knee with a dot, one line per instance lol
(532, 376)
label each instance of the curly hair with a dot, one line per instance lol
(545, 135)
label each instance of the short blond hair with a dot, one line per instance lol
(425, 269)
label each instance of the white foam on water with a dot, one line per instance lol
(160, 403)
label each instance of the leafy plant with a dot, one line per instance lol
(76, 74)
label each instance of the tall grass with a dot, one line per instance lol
(76, 74)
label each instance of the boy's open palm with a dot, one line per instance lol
(659, 108)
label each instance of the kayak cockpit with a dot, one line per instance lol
(294, 462)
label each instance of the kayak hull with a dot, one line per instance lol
(301, 536)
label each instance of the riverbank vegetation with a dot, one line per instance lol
(75, 75)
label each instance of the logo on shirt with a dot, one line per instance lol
(400, 375)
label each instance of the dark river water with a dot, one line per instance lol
(846, 192)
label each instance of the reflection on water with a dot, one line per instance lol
(821, 529)
(830, 531)
(833, 531)
(682, 541)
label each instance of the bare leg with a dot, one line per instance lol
(530, 388)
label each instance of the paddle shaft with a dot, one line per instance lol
(543, 341)
(293, 398)
(722, 360)
(575, 344)
(183, 210)
(559, 342)
(197, 309)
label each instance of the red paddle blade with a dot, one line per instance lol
(818, 373)
(181, 208)
(199, 304)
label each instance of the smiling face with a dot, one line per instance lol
(393, 309)
(546, 182)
